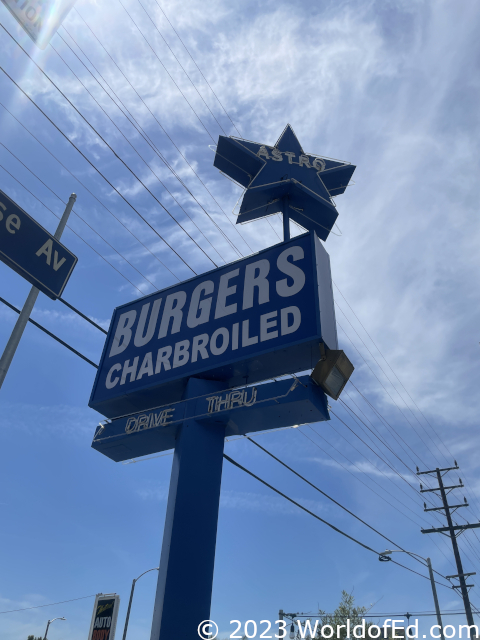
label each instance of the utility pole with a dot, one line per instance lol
(453, 532)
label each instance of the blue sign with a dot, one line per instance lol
(243, 410)
(284, 172)
(248, 321)
(27, 248)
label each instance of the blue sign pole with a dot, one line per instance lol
(178, 366)
(16, 336)
(185, 579)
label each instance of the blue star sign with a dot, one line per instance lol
(284, 179)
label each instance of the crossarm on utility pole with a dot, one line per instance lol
(460, 527)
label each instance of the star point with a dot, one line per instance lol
(284, 178)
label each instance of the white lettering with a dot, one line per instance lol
(268, 321)
(204, 305)
(285, 266)
(258, 280)
(217, 351)
(14, 221)
(304, 160)
(4, 208)
(123, 333)
(253, 399)
(131, 425)
(147, 366)
(312, 633)
(166, 417)
(142, 422)
(290, 155)
(319, 164)
(163, 355)
(199, 347)
(277, 155)
(172, 310)
(45, 250)
(246, 339)
(235, 336)
(56, 263)
(284, 315)
(236, 398)
(263, 152)
(129, 370)
(109, 383)
(142, 337)
(181, 354)
(224, 291)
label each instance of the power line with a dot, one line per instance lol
(165, 68)
(391, 369)
(95, 197)
(345, 391)
(389, 503)
(161, 126)
(332, 499)
(93, 166)
(356, 416)
(381, 383)
(106, 144)
(131, 118)
(40, 606)
(397, 436)
(412, 487)
(297, 504)
(181, 66)
(70, 228)
(52, 335)
(193, 60)
(138, 153)
(75, 213)
(70, 306)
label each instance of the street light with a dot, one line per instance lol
(332, 371)
(131, 598)
(48, 624)
(383, 557)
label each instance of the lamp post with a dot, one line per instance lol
(48, 624)
(131, 598)
(383, 557)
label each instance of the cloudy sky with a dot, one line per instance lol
(389, 85)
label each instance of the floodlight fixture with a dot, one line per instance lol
(332, 371)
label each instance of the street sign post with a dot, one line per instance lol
(187, 366)
(32, 252)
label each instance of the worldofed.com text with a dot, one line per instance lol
(391, 629)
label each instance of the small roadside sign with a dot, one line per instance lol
(31, 251)
(104, 619)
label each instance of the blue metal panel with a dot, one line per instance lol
(284, 171)
(282, 403)
(185, 577)
(325, 297)
(265, 323)
(31, 251)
